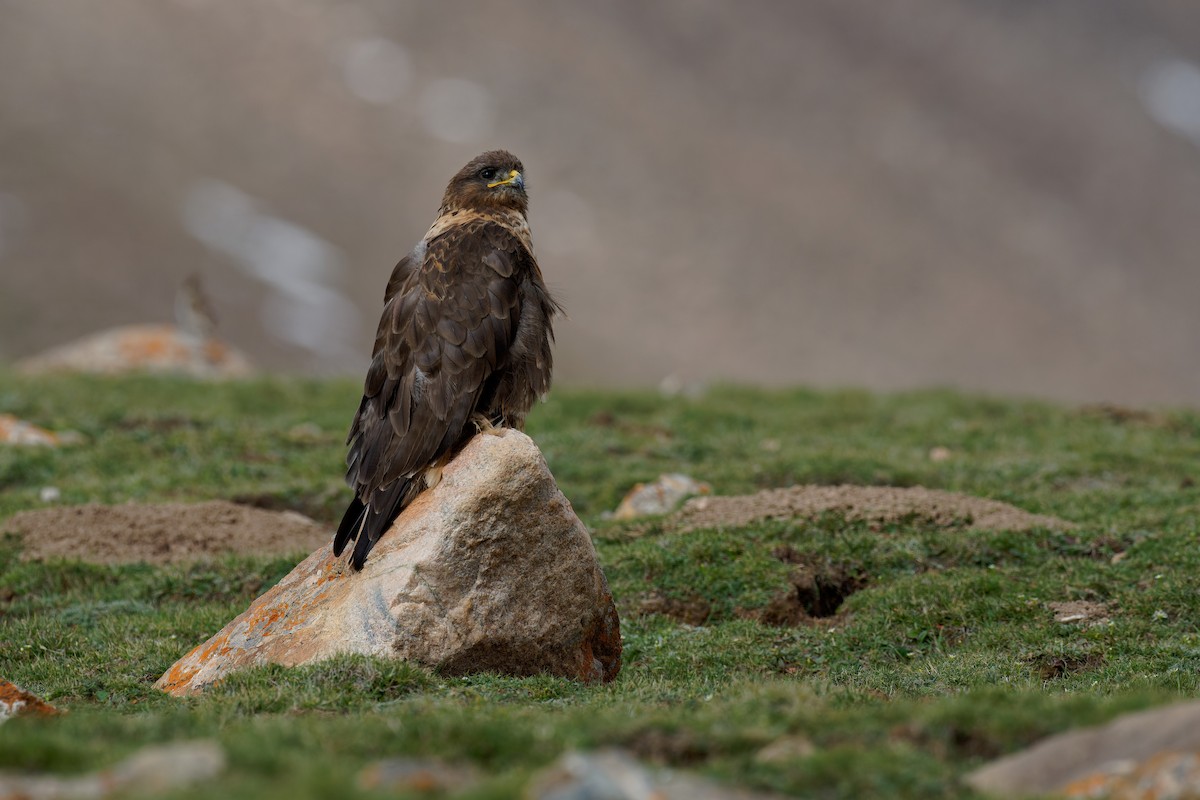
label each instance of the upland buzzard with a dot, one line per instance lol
(463, 345)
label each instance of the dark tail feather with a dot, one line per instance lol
(385, 507)
(350, 525)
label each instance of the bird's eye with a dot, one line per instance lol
(487, 173)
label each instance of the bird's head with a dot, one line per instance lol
(494, 180)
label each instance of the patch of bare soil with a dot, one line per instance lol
(162, 533)
(1124, 415)
(881, 505)
(693, 611)
(673, 748)
(1080, 612)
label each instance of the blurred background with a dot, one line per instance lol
(999, 195)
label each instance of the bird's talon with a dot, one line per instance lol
(484, 425)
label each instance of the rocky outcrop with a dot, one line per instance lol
(142, 348)
(490, 570)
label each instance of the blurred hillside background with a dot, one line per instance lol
(1001, 195)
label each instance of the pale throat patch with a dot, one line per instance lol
(514, 220)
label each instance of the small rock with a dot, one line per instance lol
(150, 771)
(660, 496)
(786, 749)
(1080, 760)
(489, 571)
(940, 454)
(296, 518)
(677, 386)
(615, 775)
(1080, 611)
(49, 494)
(15, 701)
(154, 770)
(19, 432)
(417, 775)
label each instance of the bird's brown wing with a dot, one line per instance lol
(446, 330)
(530, 358)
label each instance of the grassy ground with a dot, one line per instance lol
(946, 655)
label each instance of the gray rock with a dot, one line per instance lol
(490, 570)
(659, 497)
(151, 771)
(615, 775)
(1057, 762)
(786, 750)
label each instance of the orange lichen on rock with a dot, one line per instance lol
(15, 701)
(1169, 775)
(142, 348)
(18, 431)
(151, 345)
(180, 674)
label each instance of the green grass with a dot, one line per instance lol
(946, 655)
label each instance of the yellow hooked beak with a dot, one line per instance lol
(514, 177)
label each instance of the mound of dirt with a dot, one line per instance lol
(876, 504)
(162, 533)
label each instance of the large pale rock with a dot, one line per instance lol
(142, 348)
(488, 571)
(1088, 762)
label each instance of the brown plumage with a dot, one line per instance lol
(464, 343)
